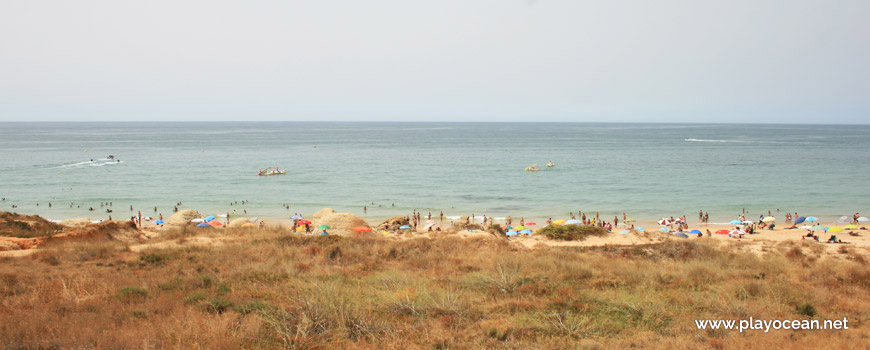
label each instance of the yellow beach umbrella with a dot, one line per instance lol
(835, 229)
(851, 227)
(558, 222)
(520, 228)
(769, 219)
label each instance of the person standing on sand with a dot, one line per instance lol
(429, 217)
(365, 210)
(522, 221)
(139, 221)
(615, 221)
(442, 215)
(549, 221)
(509, 220)
(700, 215)
(484, 219)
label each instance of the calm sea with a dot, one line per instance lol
(645, 170)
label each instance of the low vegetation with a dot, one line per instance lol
(290, 292)
(571, 232)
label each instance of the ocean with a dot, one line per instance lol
(645, 170)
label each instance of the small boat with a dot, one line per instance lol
(269, 171)
(533, 167)
(551, 164)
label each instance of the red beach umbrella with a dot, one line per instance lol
(531, 223)
(215, 223)
(362, 229)
(722, 232)
(303, 222)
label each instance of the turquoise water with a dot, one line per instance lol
(645, 170)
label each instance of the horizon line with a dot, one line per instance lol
(414, 122)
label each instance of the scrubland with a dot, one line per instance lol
(270, 289)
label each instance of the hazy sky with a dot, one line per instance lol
(458, 60)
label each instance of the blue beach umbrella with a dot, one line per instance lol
(209, 218)
(296, 217)
(511, 233)
(640, 229)
(664, 229)
(623, 232)
(202, 224)
(508, 227)
(573, 222)
(528, 232)
(697, 232)
(159, 222)
(800, 219)
(404, 227)
(680, 234)
(812, 219)
(735, 222)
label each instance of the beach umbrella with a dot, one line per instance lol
(528, 232)
(520, 228)
(769, 219)
(511, 233)
(558, 222)
(812, 219)
(508, 227)
(300, 229)
(844, 219)
(680, 234)
(296, 217)
(664, 229)
(323, 227)
(806, 227)
(800, 219)
(818, 228)
(863, 219)
(664, 222)
(573, 222)
(736, 232)
(215, 223)
(835, 229)
(209, 218)
(851, 227)
(697, 232)
(404, 227)
(722, 232)
(303, 222)
(735, 222)
(531, 223)
(198, 220)
(362, 229)
(640, 229)
(629, 220)
(159, 222)
(202, 224)
(623, 232)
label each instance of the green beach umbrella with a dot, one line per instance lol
(818, 228)
(323, 227)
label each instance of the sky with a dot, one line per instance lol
(737, 61)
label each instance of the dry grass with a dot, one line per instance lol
(272, 290)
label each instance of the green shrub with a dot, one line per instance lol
(129, 293)
(250, 307)
(153, 259)
(195, 297)
(571, 232)
(806, 309)
(218, 305)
